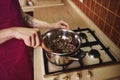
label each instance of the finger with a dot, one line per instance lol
(27, 41)
(65, 27)
(37, 40)
(33, 37)
(63, 23)
(33, 41)
(40, 38)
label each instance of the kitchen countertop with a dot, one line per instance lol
(60, 12)
(75, 18)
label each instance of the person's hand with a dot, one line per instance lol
(60, 25)
(30, 36)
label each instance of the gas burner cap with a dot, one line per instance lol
(94, 53)
(83, 35)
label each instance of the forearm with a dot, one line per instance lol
(5, 35)
(33, 22)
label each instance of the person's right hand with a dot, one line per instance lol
(30, 36)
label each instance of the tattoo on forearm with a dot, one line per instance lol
(28, 19)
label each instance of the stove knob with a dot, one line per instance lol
(90, 74)
(56, 78)
(79, 74)
(67, 77)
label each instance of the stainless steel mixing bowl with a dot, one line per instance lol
(61, 45)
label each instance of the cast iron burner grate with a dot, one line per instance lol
(86, 44)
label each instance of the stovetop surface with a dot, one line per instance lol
(90, 43)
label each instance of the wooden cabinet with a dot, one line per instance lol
(111, 72)
(39, 3)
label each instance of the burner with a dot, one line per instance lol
(83, 36)
(95, 54)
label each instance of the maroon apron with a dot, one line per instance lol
(15, 61)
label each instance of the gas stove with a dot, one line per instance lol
(94, 53)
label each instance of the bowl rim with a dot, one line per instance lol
(68, 53)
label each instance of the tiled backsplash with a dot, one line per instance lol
(105, 14)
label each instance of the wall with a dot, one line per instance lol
(105, 14)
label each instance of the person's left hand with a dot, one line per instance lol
(60, 25)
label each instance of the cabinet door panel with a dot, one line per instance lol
(106, 73)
